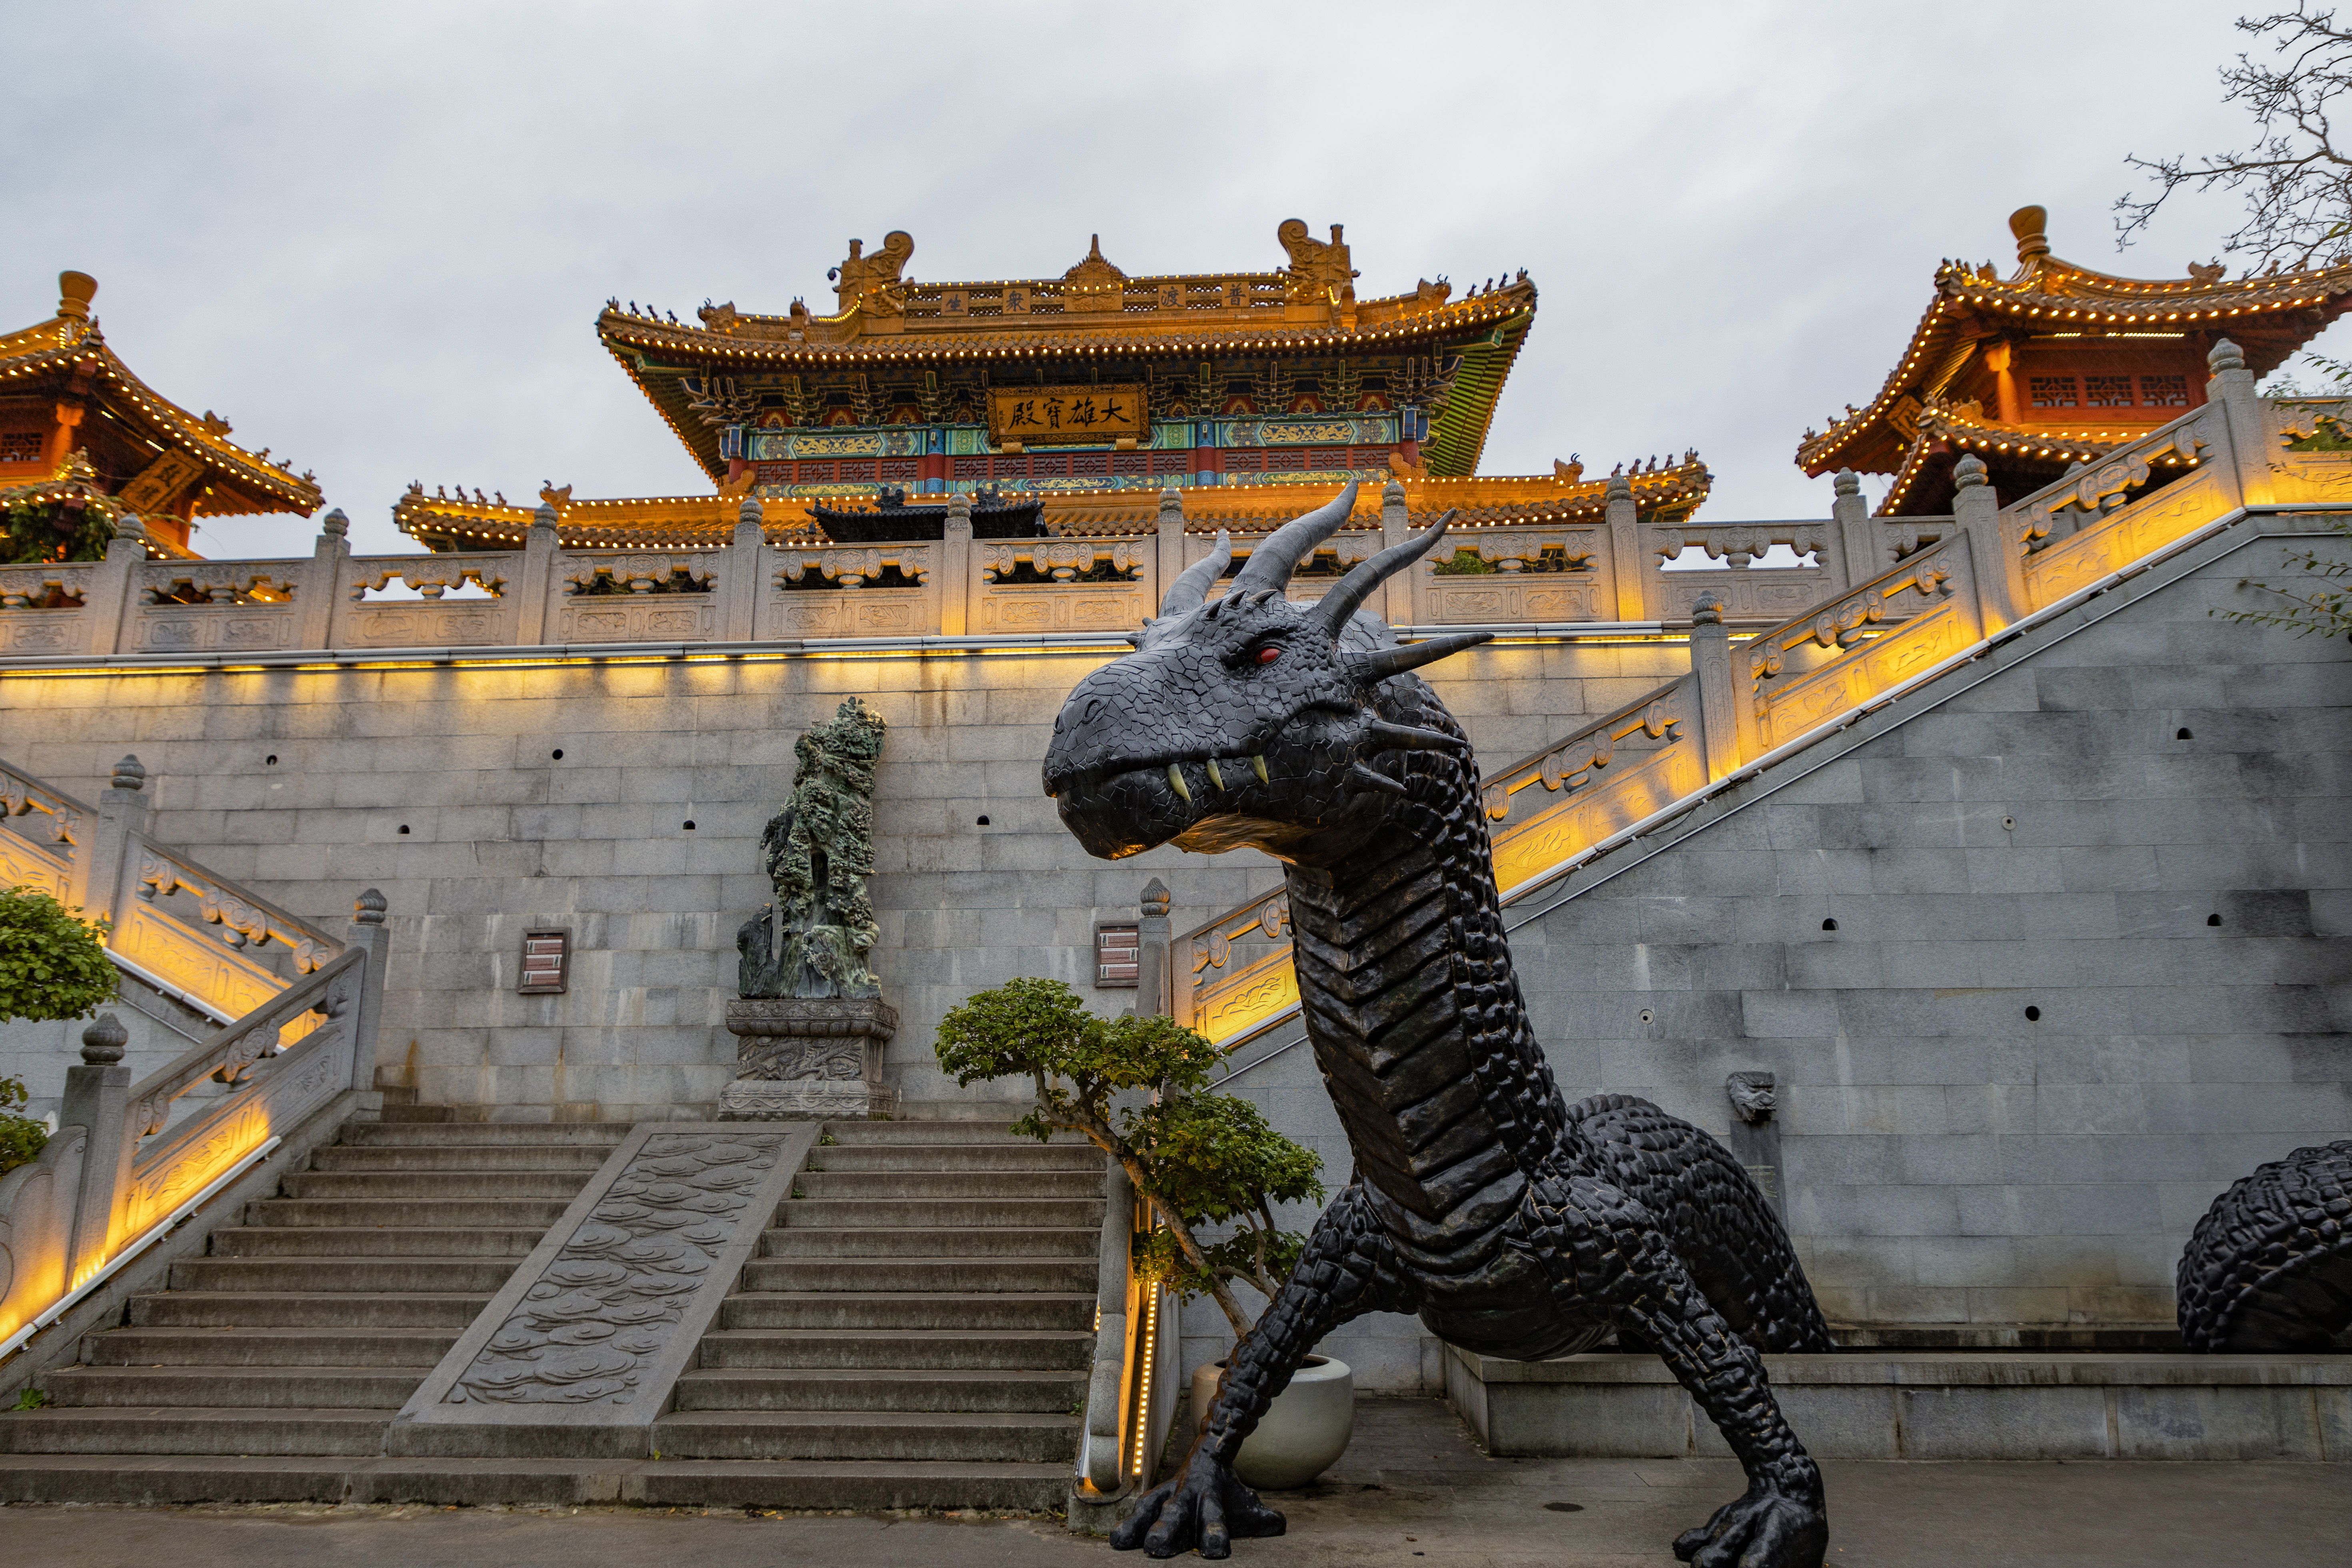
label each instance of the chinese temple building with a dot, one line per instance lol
(1084, 394)
(79, 430)
(2056, 365)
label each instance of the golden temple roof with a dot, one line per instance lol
(1094, 310)
(1666, 492)
(2268, 316)
(70, 343)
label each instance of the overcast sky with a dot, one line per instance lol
(376, 237)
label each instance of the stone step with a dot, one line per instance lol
(1007, 1349)
(1046, 1390)
(932, 1185)
(98, 1429)
(1025, 1155)
(852, 1134)
(344, 1277)
(806, 1240)
(508, 1184)
(534, 1214)
(443, 1135)
(277, 1349)
(905, 1310)
(1027, 1436)
(380, 1308)
(281, 1388)
(513, 1242)
(874, 1214)
(853, 1485)
(583, 1158)
(963, 1275)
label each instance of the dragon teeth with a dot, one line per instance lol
(1257, 766)
(1176, 782)
(1216, 777)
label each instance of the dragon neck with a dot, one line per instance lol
(1410, 1001)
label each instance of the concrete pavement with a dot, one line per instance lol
(1413, 1492)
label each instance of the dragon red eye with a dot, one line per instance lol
(1269, 654)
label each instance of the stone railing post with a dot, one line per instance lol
(745, 570)
(2233, 388)
(323, 585)
(1994, 549)
(1153, 959)
(534, 588)
(1401, 594)
(1629, 563)
(367, 931)
(1857, 538)
(98, 1101)
(98, 862)
(959, 583)
(1168, 558)
(111, 604)
(1718, 695)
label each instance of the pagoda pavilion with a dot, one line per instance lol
(1068, 404)
(2057, 364)
(78, 432)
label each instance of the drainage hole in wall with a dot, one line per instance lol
(1829, 925)
(689, 824)
(2033, 1015)
(403, 827)
(2181, 735)
(2009, 825)
(2212, 920)
(1563, 1508)
(1645, 1014)
(981, 822)
(557, 754)
(270, 761)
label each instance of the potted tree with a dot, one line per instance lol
(1138, 1089)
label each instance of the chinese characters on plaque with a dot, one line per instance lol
(1038, 416)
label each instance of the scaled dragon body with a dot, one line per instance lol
(1514, 1223)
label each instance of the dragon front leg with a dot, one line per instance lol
(1345, 1272)
(1607, 1251)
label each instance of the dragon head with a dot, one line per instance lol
(1249, 720)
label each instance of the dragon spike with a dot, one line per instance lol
(1191, 584)
(1371, 668)
(1342, 601)
(1272, 563)
(1411, 737)
(1373, 778)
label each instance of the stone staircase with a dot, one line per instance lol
(304, 1329)
(915, 1332)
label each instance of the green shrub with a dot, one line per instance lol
(22, 1138)
(53, 964)
(1199, 1158)
(28, 534)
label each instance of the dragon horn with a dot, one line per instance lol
(1272, 563)
(1371, 668)
(1191, 584)
(1341, 603)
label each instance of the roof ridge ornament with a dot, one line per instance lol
(2031, 226)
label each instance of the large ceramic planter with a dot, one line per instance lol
(1304, 1431)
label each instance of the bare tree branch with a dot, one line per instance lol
(2297, 183)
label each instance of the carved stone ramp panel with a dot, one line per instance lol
(579, 1354)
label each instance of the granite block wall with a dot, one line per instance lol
(441, 787)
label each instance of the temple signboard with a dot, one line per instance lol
(1039, 416)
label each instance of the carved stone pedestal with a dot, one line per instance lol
(808, 1057)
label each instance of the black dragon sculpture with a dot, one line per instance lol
(2270, 1265)
(1513, 1223)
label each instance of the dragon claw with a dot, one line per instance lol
(1204, 1508)
(1761, 1530)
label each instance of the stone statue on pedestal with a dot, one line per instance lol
(809, 1019)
